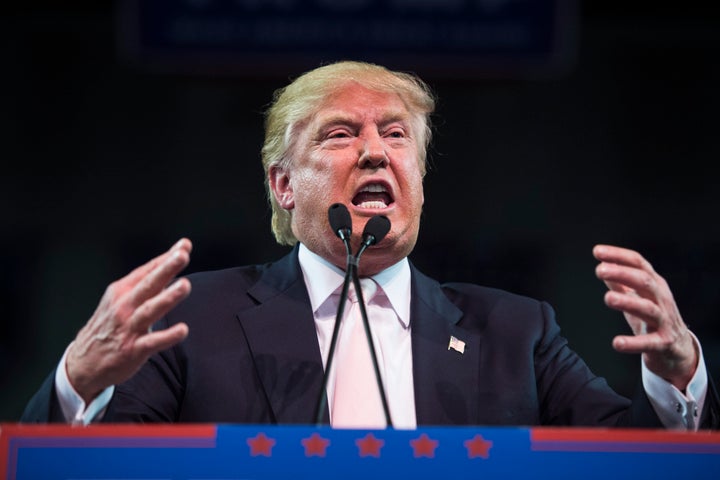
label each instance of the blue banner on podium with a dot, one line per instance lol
(52, 452)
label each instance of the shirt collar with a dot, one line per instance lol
(327, 278)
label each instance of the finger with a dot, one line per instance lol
(644, 309)
(638, 343)
(154, 308)
(140, 272)
(622, 278)
(157, 279)
(621, 256)
(161, 340)
(615, 286)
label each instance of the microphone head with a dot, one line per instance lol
(340, 220)
(376, 228)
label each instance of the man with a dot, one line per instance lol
(250, 344)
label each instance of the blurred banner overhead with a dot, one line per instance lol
(447, 38)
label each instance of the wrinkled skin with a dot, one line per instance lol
(359, 137)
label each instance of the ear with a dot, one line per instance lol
(281, 187)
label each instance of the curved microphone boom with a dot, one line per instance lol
(341, 223)
(375, 230)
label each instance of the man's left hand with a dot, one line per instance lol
(645, 299)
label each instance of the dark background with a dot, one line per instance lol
(105, 164)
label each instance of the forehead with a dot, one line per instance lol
(356, 102)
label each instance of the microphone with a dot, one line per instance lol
(375, 230)
(341, 223)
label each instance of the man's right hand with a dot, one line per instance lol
(117, 340)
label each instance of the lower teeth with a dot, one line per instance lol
(374, 204)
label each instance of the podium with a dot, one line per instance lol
(229, 451)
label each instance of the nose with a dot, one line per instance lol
(372, 153)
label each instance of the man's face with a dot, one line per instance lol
(359, 149)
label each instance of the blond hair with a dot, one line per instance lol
(295, 103)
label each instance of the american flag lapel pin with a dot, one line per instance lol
(457, 345)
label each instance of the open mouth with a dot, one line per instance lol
(373, 196)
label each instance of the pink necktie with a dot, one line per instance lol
(356, 400)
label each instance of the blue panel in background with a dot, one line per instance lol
(466, 38)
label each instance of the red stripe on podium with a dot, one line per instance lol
(109, 430)
(623, 440)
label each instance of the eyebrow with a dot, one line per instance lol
(335, 118)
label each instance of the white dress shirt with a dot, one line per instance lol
(678, 410)
(391, 339)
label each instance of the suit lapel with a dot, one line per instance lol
(282, 340)
(446, 380)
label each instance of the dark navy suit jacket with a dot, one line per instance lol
(252, 356)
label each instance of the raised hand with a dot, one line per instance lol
(645, 299)
(117, 339)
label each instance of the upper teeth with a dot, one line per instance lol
(374, 188)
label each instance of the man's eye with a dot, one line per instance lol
(396, 134)
(338, 134)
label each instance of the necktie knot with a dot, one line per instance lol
(369, 289)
